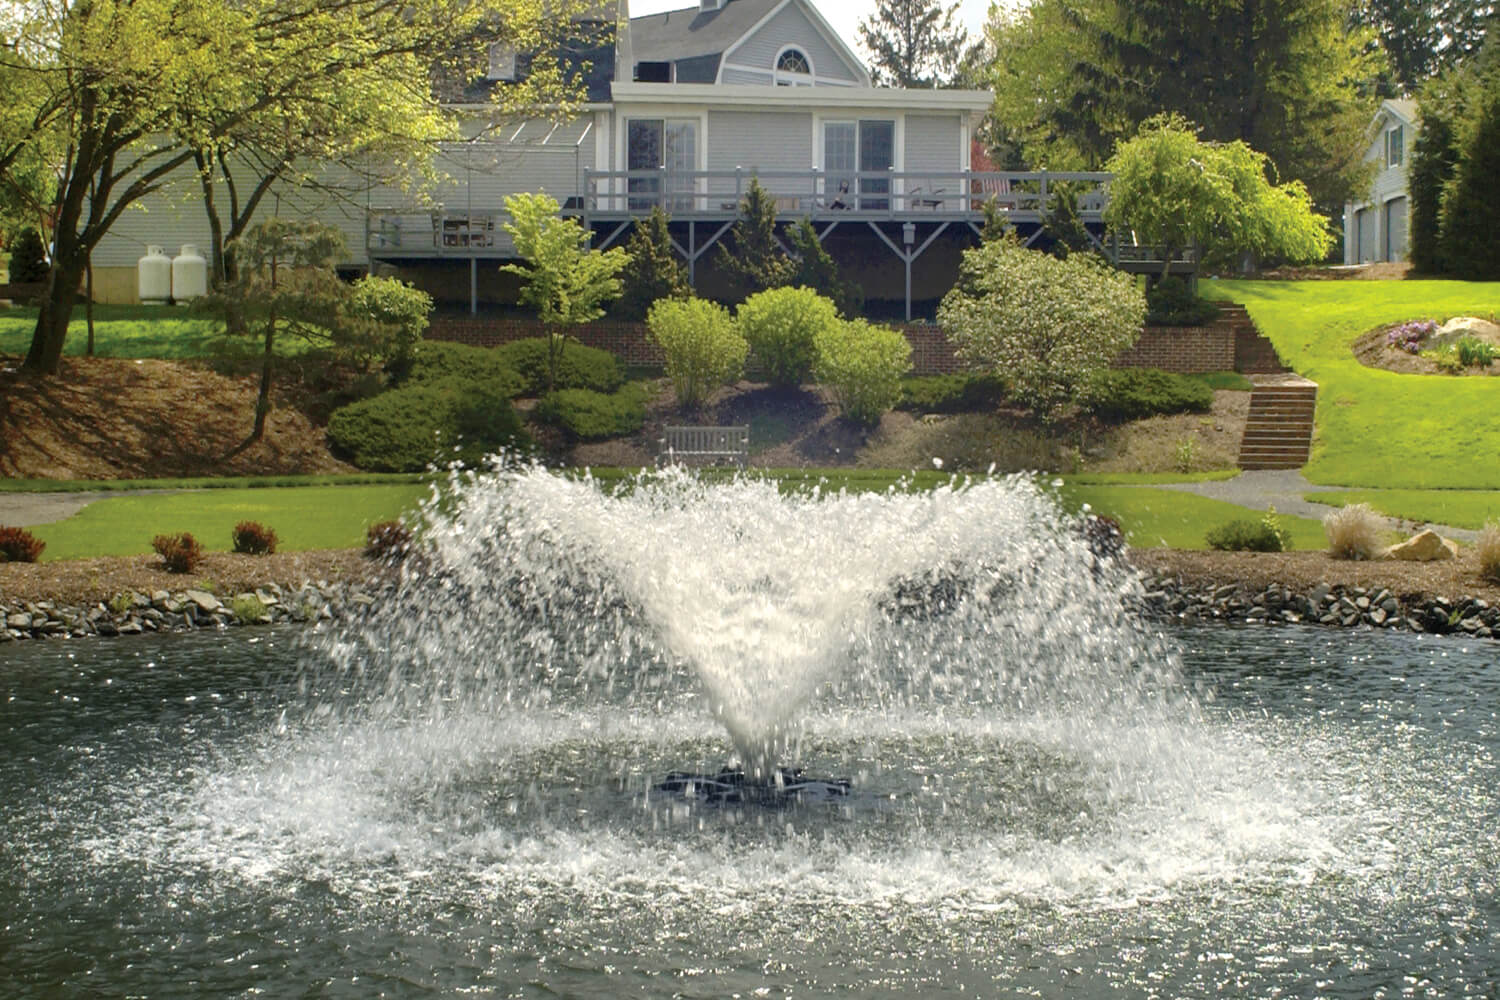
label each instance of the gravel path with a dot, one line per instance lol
(1284, 489)
(24, 510)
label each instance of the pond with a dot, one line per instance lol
(1283, 812)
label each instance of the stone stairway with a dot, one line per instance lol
(1279, 430)
(1253, 353)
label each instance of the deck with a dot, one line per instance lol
(906, 211)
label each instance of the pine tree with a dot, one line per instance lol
(1434, 157)
(914, 43)
(753, 259)
(817, 270)
(654, 271)
(1471, 214)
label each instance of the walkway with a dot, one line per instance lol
(1284, 489)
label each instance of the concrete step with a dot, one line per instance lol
(1279, 429)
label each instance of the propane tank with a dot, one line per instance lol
(153, 274)
(189, 274)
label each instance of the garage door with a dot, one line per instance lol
(1364, 226)
(1395, 229)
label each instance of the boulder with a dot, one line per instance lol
(1428, 546)
(1459, 327)
(206, 601)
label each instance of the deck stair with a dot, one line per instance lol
(1253, 353)
(1279, 430)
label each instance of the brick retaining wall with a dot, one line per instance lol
(1177, 349)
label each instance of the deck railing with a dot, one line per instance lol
(867, 194)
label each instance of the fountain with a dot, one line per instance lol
(555, 765)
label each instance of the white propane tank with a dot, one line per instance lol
(189, 274)
(153, 274)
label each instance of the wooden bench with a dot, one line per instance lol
(705, 445)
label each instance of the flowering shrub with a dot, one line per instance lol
(179, 553)
(1409, 337)
(781, 326)
(1047, 326)
(702, 347)
(863, 365)
(19, 545)
(253, 538)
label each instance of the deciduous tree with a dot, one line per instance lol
(1177, 191)
(566, 282)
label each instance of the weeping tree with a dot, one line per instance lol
(565, 281)
(1177, 192)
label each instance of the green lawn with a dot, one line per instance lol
(1172, 519)
(1377, 428)
(1460, 508)
(206, 483)
(312, 517)
(171, 332)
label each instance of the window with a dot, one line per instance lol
(1395, 146)
(669, 147)
(793, 69)
(863, 147)
(502, 62)
(653, 72)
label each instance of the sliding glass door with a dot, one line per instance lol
(859, 147)
(662, 144)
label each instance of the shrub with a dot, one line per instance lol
(383, 321)
(1353, 532)
(578, 367)
(1244, 536)
(387, 540)
(254, 538)
(407, 429)
(951, 393)
(586, 415)
(179, 553)
(1171, 302)
(1135, 393)
(863, 365)
(28, 258)
(19, 545)
(702, 346)
(781, 326)
(435, 360)
(1488, 548)
(1046, 325)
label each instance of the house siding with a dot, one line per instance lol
(758, 140)
(1376, 227)
(790, 26)
(933, 143)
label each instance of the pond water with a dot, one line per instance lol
(1283, 812)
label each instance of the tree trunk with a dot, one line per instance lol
(88, 300)
(47, 339)
(263, 398)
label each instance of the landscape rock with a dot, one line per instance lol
(1427, 546)
(207, 602)
(1460, 327)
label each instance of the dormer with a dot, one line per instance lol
(709, 5)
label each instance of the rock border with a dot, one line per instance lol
(1164, 597)
(1338, 606)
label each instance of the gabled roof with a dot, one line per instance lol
(1403, 108)
(685, 34)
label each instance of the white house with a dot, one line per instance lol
(683, 109)
(1376, 229)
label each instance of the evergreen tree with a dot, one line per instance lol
(914, 43)
(654, 272)
(1433, 160)
(1471, 213)
(753, 259)
(817, 270)
(1288, 77)
(1423, 38)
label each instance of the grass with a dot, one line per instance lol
(1171, 519)
(1377, 428)
(123, 332)
(314, 517)
(1459, 508)
(204, 483)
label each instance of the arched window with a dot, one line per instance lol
(793, 68)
